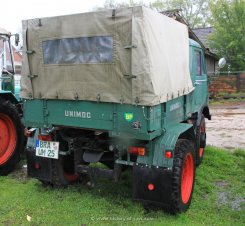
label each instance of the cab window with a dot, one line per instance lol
(198, 60)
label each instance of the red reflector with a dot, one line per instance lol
(37, 166)
(150, 187)
(168, 154)
(44, 137)
(136, 151)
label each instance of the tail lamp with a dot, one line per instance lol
(45, 137)
(136, 151)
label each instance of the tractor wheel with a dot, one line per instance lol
(11, 137)
(183, 176)
(201, 140)
(63, 171)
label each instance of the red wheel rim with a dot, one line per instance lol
(8, 138)
(71, 177)
(202, 131)
(187, 178)
(203, 128)
(201, 152)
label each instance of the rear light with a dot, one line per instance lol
(168, 154)
(45, 137)
(151, 187)
(141, 151)
(136, 151)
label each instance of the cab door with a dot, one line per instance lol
(200, 78)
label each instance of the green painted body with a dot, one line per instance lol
(158, 127)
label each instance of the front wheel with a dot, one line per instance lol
(11, 137)
(201, 140)
(169, 188)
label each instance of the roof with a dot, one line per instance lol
(4, 32)
(199, 36)
(17, 56)
(202, 34)
(194, 43)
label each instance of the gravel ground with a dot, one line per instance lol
(227, 127)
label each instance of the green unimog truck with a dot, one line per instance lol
(11, 129)
(124, 87)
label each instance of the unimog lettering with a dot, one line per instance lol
(77, 114)
(175, 106)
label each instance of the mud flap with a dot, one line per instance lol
(38, 167)
(160, 178)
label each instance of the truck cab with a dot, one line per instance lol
(198, 73)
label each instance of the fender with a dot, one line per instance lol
(167, 142)
(205, 111)
(7, 95)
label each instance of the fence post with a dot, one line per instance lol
(238, 83)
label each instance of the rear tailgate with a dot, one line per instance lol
(81, 114)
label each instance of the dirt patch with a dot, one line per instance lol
(227, 127)
(235, 203)
(20, 173)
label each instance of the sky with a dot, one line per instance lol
(14, 11)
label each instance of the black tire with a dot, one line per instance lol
(183, 176)
(201, 140)
(11, 137)
(63, 172)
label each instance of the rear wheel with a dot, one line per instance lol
(201, 140)
(11, 137)
(63, 171)
(183, 176)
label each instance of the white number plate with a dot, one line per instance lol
(47, 149)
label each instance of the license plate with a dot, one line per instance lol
(47, 149)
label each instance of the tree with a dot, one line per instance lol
(228, 38)
(195, 12)
(113, 4)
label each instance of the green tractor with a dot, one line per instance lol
(11, 129)
(126, 88)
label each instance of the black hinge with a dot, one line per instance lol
(32, 76)
(128, 76)
(113, 13)
(30, 51)
(130, 46)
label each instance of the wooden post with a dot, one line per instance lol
(238, 82)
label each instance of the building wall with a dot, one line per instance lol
(226, 84)
(211, 63)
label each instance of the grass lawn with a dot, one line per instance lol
(225, 102)
(218, 199)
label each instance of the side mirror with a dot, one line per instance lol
(17, 39)
(222, 62)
